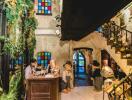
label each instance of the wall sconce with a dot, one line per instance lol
(58, 33)
(58, 18)
(58, 25)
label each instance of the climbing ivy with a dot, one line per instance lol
(14, 43)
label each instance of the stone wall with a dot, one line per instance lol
(63, 50)
(60, 52)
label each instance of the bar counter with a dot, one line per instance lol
(41, 88)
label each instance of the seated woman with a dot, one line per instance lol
(66, 78)
(53, 68)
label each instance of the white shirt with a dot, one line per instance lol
(64, 74)
(28, 72)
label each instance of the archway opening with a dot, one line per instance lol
(80, 68)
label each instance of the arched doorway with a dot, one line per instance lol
(80, 63)
(82, 57)
(80, 68)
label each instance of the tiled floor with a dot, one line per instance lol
(83, 93)
(83, 80)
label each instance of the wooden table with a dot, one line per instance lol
(40, 88)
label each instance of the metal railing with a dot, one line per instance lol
(123, 89)
(118, 37)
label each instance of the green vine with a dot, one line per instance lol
(20, 35)
(15, 11)
(30, 26)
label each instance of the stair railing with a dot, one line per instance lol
(118, 37)
(128, 80)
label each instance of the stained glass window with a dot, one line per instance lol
(43, 7)
(81, 63)
(79, 60)
(16, 61)
(44, 58)
(19, 60)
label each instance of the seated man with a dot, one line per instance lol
(30, 69)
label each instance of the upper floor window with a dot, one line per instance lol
(43, 7)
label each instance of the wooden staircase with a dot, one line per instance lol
(100, 42)
(119, 38)
(117, 42)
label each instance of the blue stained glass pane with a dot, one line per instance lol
(45, 53)
(42, 61)
(81, 63)
(39, 4)
(46, 12)
(43, 8)
(39, 7)
(20, 62)
(39, 62)
(39, 58)
(81, 69)
(49, 12)
(81, 58)
(39, 0)
(49, 4)
(46, 8)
